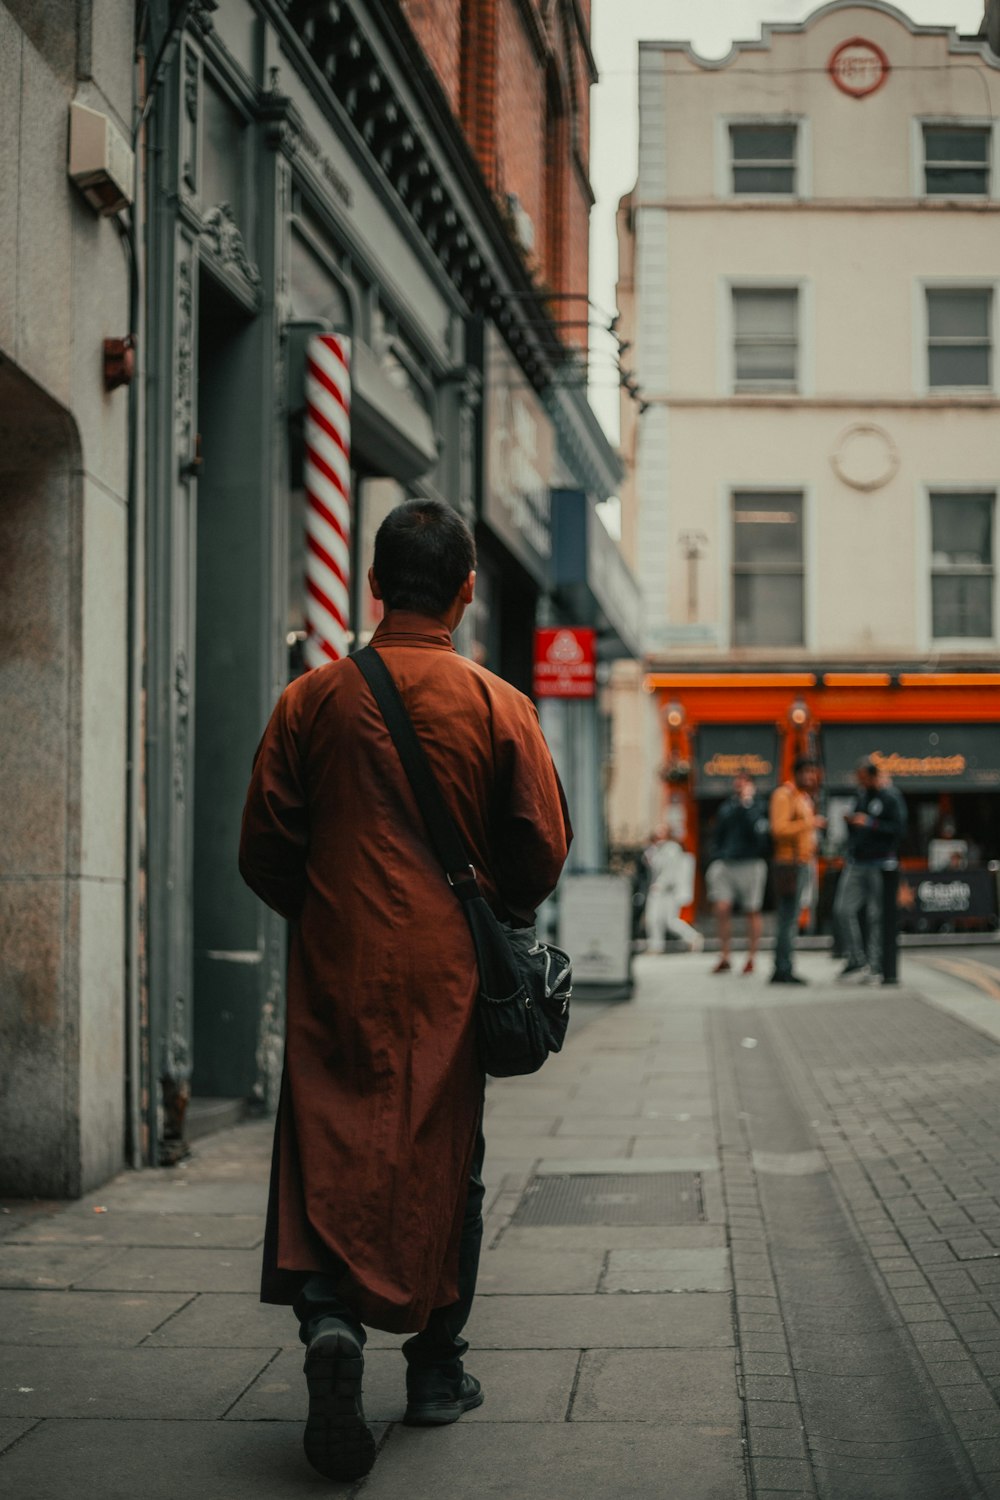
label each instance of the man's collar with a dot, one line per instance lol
(401, 627)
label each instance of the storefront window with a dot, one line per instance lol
(768, 584)
(962, 566)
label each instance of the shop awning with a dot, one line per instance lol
(723, 751)
(918, 757)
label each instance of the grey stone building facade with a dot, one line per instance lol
(64, 537)
(298, 170)
(306, 173)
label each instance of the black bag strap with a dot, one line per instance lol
(444, 835)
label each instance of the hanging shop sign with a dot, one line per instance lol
(565, 662)
(728, 750)
(519, 456)
(859, 67)
(918, 757)
(591, 578)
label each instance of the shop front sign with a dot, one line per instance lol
(728, 750)
(519, 455)
(918, 757)
(934, 896)
(565, 662)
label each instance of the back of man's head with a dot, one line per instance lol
(424, 552)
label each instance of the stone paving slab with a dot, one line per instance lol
(208, 1270)
(524, 1386)
(159, 1193)
(696, 1320)
(164, 1460)
(616, 1236)
(536, 1272)
(75, 1227)
(12, 1428)
(499, 1461)
(85, 1318)
(228, 1320)
(52, 1266)
(94, 1383)
(582, 1148)
(595, 1165)
(667, 1271)
(657, 1385)
(638, 1129)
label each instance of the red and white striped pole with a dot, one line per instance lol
(328, 498)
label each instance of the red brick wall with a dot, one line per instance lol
(498, 70)
(438, 27)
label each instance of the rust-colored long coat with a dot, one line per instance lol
(382, 1093)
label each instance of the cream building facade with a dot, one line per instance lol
(810, 278)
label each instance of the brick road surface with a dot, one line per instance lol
(741, 1241)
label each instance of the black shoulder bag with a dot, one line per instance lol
(522, 1009)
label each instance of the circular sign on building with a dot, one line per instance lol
(858, 67)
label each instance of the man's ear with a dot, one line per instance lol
(374, 584)
(468, 588)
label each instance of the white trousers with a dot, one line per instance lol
(663, 916)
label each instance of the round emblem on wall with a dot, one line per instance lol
(865, 457)
(858, 67)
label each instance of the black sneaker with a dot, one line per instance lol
(435, 1398)
(337, 1440)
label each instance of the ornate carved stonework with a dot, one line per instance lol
(221, 233)
(865, 457)
(184, 357)
(190, 127)
(182, 705)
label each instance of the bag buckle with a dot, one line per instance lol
(469, 873)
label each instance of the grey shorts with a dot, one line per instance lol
(733, 882)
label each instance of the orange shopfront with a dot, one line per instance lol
(937, 734)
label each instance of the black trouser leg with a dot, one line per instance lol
(319, 1299)
(441, 1341)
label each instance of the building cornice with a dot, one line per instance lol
(957, 43)
(742, 205)
(366, 55)
(867, 404)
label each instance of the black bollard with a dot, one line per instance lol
(890, 924)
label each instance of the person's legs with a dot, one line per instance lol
(724, 917)
(753, 935)
(441, 1340)
(787, 914)
(319, 1299)
(438, 1390)
(337, 1439)
(656, 918)
(873, 906)
(852, 894)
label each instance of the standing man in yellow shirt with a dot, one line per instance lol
(794, 825)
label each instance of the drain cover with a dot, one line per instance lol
(618, 1198)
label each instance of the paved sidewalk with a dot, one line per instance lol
(839, 1151)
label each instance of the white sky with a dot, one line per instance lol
(711, 26)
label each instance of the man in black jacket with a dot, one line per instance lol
(875, 830)
(738, 867)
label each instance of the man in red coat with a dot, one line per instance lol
(375, 1210)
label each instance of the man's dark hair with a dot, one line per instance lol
(804, 763)
(423, 554)
(867, 765)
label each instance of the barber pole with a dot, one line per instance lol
(328, 498)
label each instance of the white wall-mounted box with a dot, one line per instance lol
(101, 162)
